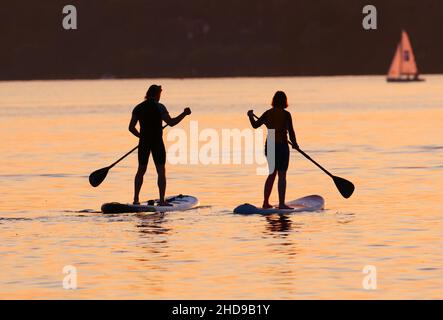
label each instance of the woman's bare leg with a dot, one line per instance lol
(282, 190)
(268, 189)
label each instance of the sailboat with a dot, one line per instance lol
(404, 67)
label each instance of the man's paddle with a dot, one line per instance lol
(98, 176)
(345, 187)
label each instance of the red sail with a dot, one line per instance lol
(403, 63)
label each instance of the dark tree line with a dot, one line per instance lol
(194, 38)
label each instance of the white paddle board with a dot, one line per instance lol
(178, 203)
(305, 204)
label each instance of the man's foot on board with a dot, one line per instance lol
(267, 206)
(285, 207)
(136, 203)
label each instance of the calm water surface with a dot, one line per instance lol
(386, 138)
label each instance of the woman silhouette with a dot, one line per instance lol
(279, 120)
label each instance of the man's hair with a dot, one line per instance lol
(153, 91)
(280, 100)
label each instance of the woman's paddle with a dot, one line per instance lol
(345, 187)
(98, 176)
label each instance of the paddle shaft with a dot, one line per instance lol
(313, 161)
(116, 162)
(132, 150)
(308, 157)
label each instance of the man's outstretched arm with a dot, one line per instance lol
(174, 121)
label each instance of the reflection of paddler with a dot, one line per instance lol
(280, 224)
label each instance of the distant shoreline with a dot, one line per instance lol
(204, 77)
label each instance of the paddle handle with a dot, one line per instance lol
(308, 157)
(127, 154)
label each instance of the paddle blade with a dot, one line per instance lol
(345, 187)
(97, 177)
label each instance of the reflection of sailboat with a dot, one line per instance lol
(404, 67)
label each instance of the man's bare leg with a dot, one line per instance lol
(138, 182)
(161, 182)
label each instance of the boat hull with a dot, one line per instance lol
(405, 80)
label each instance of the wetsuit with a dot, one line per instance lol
(150, 113)
(281, 121)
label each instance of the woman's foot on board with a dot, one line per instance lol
(284, 206)
(266, 205)
(164, 204)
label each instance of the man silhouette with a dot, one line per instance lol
(150, 114)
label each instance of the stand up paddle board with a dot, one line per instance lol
(178, 203)
(306, 204)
